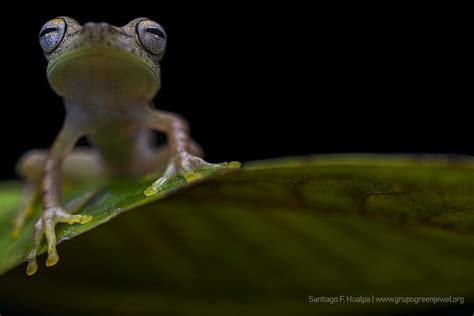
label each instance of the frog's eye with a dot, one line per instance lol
(152, 36)
(51, 34)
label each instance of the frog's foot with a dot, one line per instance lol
(45, 225)
(186, 166)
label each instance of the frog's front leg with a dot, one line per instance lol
(53, 211)
(81, 165)
(182, 163)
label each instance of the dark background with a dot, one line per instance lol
(270, 81)
(259, 82)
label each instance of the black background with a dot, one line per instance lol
(259, 82)
(269, 81)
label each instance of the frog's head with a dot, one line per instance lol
(101, 54)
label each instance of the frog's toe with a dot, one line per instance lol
(232, 165)
(38, 231)
(74, 219)
(156, 186)
(159, 184)
(196, 164)
(192, 176)
(192, 171)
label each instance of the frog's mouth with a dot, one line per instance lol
(100, 66)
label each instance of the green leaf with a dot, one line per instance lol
(260, 240)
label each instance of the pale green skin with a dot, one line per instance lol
(107, 79)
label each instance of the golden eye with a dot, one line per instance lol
(51, 34)
(152, 36)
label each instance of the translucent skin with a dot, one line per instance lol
(107, 77)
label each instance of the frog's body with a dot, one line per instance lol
(108, 77)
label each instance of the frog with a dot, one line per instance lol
(107, 77)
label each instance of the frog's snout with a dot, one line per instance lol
(97, 31)
(91, 26)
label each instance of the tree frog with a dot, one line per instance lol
(107, 77)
